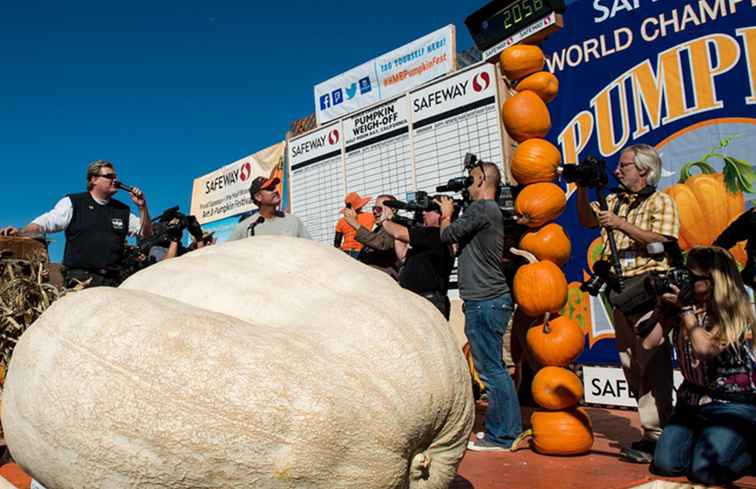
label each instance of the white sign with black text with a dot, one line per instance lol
(607, 385)
(317, 188)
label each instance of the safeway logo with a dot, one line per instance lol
(333, 137)
(481, 81)
(246, 170)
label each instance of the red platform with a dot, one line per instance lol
(601, 468)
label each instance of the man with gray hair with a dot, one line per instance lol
(95, 225)
(638, 214)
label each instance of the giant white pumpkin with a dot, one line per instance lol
(269, 363)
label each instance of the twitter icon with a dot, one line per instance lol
(351, 91)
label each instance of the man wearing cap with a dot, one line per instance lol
(95, 225)
(270, 220)
(346, 234)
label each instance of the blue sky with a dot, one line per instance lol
(169, 91)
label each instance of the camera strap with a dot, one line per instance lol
(641, 196)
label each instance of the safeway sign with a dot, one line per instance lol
(225, 192)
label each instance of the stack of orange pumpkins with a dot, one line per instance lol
(540, 287)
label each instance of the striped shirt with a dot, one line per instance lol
(733, 370)
(657, 213)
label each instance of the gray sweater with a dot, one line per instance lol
(480, 234)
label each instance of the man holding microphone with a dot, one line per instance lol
(95, 225)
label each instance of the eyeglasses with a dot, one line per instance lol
(625, 164)
(109, 176)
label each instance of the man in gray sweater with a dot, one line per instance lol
(487, 301)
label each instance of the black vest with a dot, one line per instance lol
(96, 236)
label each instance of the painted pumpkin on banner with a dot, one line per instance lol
(543, 83)
(709, 201)
(535, 160)
(526, 116)
(521, 60)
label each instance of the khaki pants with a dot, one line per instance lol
(648, 374)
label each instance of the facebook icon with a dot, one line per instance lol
(325, 101)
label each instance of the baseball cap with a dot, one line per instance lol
(262, 183)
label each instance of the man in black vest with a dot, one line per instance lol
(96, 227)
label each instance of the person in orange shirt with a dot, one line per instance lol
(345, 234)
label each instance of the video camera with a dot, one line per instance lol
(590, 172)
(170, 226)
(504, 194)
(418, 203)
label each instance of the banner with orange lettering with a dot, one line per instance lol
(677, 75)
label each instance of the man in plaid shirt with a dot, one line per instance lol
(637, 215)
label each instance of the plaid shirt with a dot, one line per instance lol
(658, 213)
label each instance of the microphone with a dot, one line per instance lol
(251, 228)
(123, 186)
(127, 188)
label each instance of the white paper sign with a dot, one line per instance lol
(317, 184)
(378, 157)
(452, 117)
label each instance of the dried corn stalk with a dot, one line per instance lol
(24, 295)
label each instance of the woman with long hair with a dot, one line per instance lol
(711, 435)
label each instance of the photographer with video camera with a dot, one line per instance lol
(95, 225)
(168, 232)
(710, 437)
(428, 261)
(486, 297)
(632, 216)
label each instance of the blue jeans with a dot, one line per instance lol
(485, 324)
(709, 444)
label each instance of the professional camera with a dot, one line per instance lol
(590, 172)
(602, 279)
(417, 203)
(658, 283)
(170, 226)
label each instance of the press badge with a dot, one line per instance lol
(627, 259)
(117, 223)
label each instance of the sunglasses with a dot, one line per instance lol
(377, 209)
(109, 176)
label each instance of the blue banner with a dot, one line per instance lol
(677, 75)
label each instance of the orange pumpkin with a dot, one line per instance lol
(557, 341)
(549, 242)
(535, 160)
(521, 60)
(539, 286)
(559, 432)
(556, 388)
(14, 474)
(539, 203)
(526, 116)
(543, 83)
(706, 208)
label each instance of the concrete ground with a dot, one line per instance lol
(600, 469)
